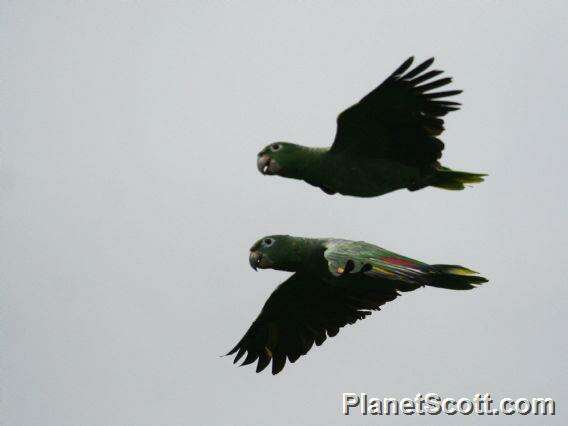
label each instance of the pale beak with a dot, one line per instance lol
(255, 258)
(267, 165)
(262, 163)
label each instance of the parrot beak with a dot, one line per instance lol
(255, 258)
(267, 165)
(258, 260)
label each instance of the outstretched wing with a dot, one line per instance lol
(302, 311)
(400, 119)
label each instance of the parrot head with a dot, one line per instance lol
(279, 158)
(281, 252)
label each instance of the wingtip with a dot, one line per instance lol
(232, 351)
(403, 67)
(428, 62)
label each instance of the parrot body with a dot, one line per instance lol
(361, 177)
(335, 282)
(385, 142)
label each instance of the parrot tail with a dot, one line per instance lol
(454, 277)
(453, 180)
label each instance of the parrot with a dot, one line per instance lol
(335, 282)
(385, 142)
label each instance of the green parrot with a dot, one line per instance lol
(335, 282)
(385, 142)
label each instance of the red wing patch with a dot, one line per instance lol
(398, 261)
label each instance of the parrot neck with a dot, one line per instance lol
(308, 160)
(306, 251)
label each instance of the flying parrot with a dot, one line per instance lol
(335, 282)
(385, 142)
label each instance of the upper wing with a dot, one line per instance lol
(299, 313)
(399, 119)
(358, 257)
(346, 257)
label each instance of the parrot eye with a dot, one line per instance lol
(268, 242)
(275, 147)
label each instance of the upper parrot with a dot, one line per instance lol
(385, 142)
(335, 282)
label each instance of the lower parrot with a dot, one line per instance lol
(335, 282)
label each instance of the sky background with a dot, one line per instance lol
(129, 198)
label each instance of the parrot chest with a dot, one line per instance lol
(362, 177)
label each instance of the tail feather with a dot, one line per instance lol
(454, 180)
(454, 277)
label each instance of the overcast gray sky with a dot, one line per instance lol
(129, 198)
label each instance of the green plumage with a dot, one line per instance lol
(335, 282)
(385, 142)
